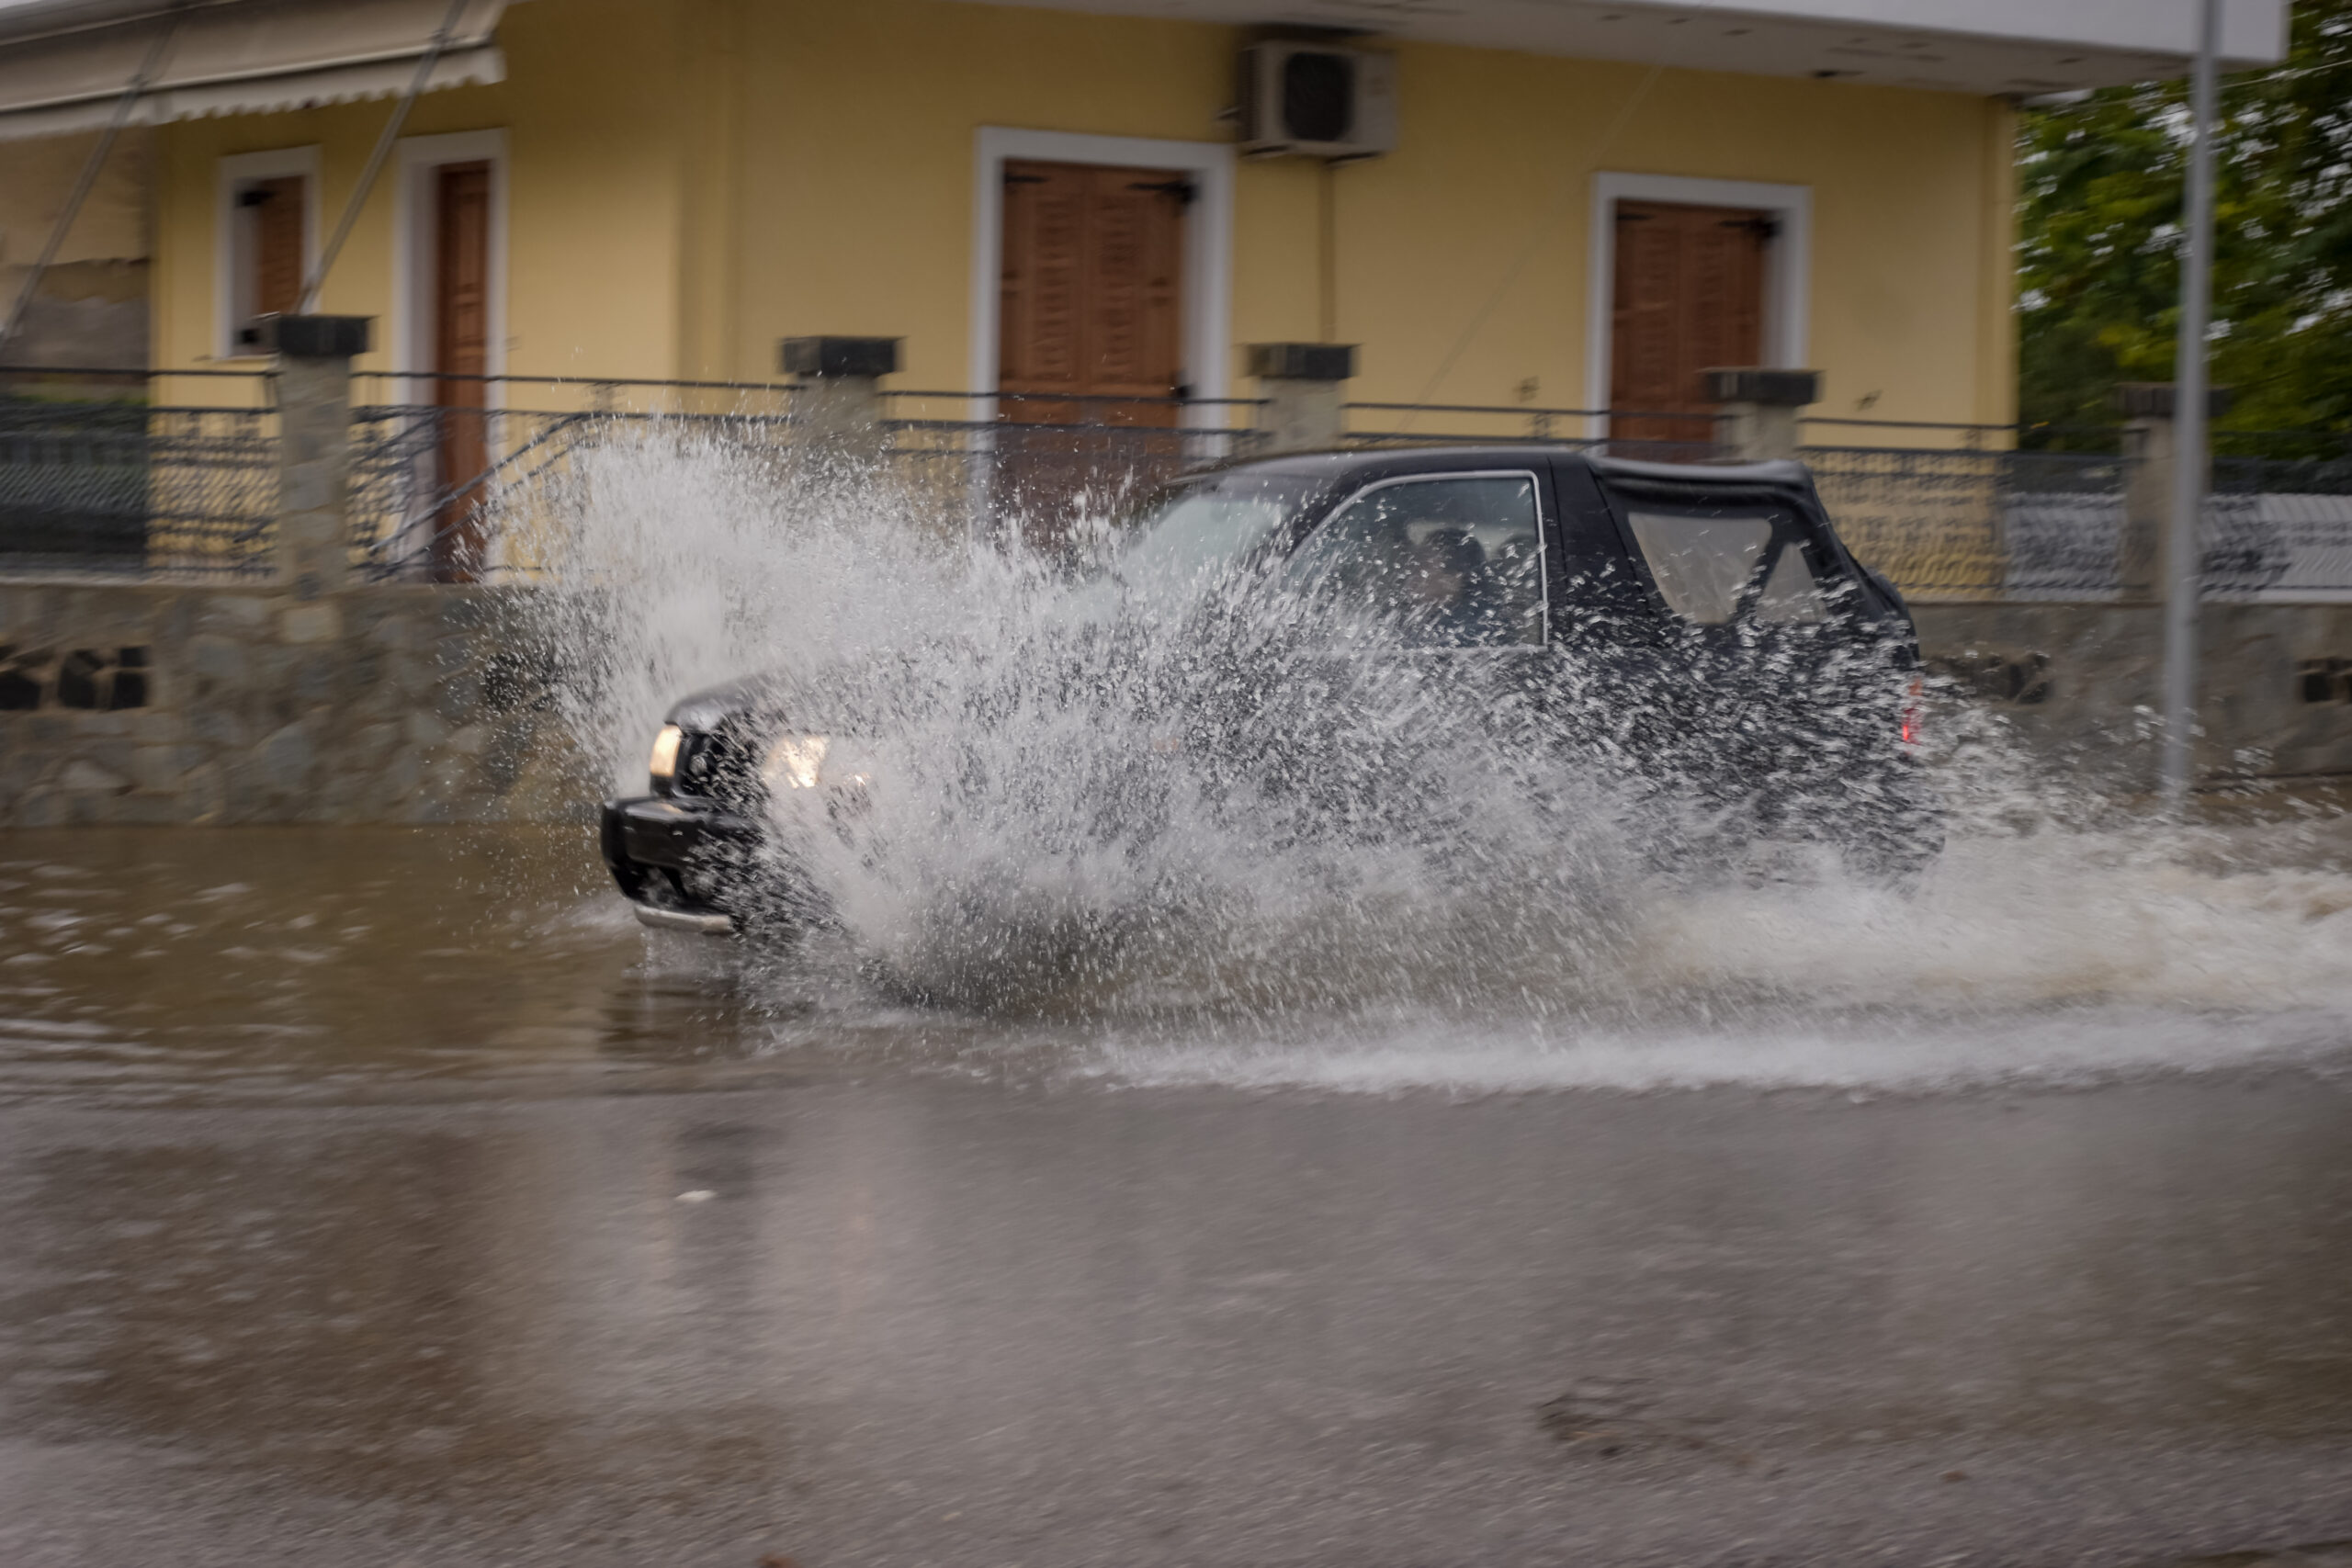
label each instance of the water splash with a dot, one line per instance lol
(1050, 839)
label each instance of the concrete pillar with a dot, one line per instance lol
(1760, 409)
(838, 402)
(2141, 565)
(1304, 386)
(314, 354)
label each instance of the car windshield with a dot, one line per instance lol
(1201, 529)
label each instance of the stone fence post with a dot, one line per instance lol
(314, 354)
(1304, 386)
(2141, 567)
(1759, 407)
(839, 401)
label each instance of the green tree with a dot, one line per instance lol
(2100, 232)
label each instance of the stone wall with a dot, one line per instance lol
(2085, 682)
(159, 703)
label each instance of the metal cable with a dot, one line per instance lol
(146, 73)
(312, 283)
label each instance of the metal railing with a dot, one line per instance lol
(428, 481)
(1928, 434)
(568, 394)
(251, 389)
(2280, 529)
(2053, 525)
(1045, 459)
(1959, 524)
(431, 483)
(1696, 439)
(440, 462)
(1962, 519)
(100, 473)
(134, 489)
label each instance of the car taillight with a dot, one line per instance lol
(1911, 712)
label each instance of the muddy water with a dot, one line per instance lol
(141, 966)
(391, 1198)
(155, 966)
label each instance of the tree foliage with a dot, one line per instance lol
(2101, 229)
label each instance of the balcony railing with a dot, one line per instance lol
(103, 477)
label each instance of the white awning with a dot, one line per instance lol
(63, 67)
(1996, 48)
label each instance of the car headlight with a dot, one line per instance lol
(664, 762)
(814, 761)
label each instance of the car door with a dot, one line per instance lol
(1416, 611)
(1606, 627)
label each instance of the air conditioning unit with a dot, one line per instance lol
(1316, 101)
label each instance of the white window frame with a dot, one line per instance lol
(1787, 275)
(415, 220)
(231, 246)
(1208, 247)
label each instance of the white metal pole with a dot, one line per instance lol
(2183, 536)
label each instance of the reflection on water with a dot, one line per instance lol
(936, 1319)
(144, 963)
(348, 1305)
(148, 964)
(338, 1222)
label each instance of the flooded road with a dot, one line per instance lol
(388, 1198)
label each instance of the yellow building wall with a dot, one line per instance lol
(592, 111)
(692, 179)
(42, 173)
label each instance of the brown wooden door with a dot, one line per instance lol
(1690, 297)
(461, 348)
(1092, 292)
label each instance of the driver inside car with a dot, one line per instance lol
(1450, 593)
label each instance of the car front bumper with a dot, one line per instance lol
(682, 864)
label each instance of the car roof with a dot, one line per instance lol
(1372, 462)
(1776, 472)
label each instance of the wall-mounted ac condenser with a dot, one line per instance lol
(1316, 101)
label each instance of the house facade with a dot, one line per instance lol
(1580, 205)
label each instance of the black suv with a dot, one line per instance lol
(1699, 625)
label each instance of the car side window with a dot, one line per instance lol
(1791, 594)
(1706, 563)
(1701, 565)
(1441, 562)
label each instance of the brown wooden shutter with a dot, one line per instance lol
(278, 215)
(1689, 296)
(1134, 294)
(1044, 279)
(1091, 298)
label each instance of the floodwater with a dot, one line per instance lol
(1429, 1182)
(388, 1198)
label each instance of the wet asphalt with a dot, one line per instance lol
(380, 1199)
